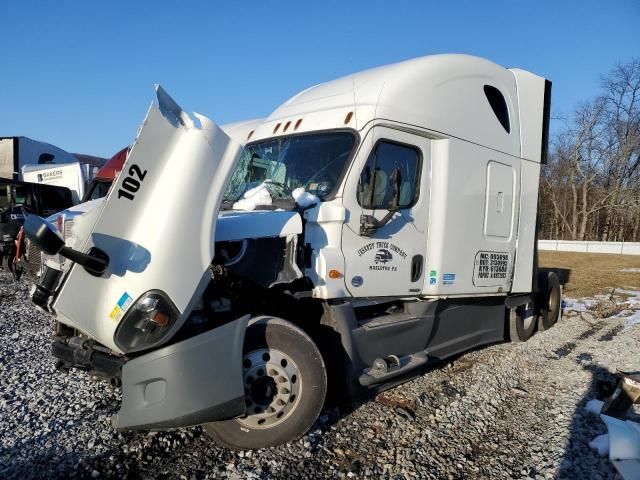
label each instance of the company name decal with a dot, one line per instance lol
(385, 255)
(48, 176)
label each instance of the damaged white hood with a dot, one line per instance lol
(157, 224)
(232, 225)
(236, 225)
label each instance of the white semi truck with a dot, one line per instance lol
(395, 226)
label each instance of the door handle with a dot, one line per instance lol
(416, 267)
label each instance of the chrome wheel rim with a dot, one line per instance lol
(272, 385)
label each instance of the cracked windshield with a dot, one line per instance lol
(314, 162)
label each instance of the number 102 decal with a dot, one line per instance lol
(131, 184)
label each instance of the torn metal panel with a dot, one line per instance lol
(625, 394)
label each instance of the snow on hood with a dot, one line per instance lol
(260, 196)
(303, 198)
(257, 196)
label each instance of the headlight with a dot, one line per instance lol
(147, 323)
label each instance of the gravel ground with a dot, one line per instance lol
(507, 411)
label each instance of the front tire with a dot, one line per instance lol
(285, 386)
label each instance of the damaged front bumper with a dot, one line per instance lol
(194, 381)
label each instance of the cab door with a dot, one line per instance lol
(388, 261)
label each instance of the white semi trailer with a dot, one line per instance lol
(413, 238)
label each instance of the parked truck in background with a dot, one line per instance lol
(18, 199)
(74, 176)
(388, 222)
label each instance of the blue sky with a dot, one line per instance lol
(80, 74)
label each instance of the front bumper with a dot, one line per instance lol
(194, 381)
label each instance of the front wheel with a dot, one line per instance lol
(285, 386)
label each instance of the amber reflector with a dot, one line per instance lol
(161, 319)
(297, 124)
(347, 119)
(334, 274)
(250, 133)
(276, 128)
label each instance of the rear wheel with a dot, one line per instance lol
(285, 386)
(522, 322)
(549, 301)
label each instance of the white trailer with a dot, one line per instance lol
(392, 224)
(16, 152)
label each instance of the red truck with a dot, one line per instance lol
(105, 176)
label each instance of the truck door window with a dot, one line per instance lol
(376, 187)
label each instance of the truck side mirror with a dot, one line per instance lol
(43, 234)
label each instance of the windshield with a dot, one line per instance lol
(313, 161)
(98, 189)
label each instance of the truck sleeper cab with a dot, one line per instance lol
(370, 225)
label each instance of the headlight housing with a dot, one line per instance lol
(147, 323)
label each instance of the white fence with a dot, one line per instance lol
(626, 248)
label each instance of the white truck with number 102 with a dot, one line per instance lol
(371, 225)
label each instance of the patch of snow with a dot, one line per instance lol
(575, 305)
(253, 198)
(631, 270)
(601, 444)
(304, 199)
(634, 296)
(594, 406)
(632, 320)
(631, 315)
(624, 438)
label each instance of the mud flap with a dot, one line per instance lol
(191, 382)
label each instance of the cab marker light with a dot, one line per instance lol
(347, 119)
(334, 274)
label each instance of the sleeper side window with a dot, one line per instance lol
(498, 105)
(390, 167)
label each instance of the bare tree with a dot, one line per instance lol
(591, 187)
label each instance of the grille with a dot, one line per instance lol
(67, 231)
(34, 259)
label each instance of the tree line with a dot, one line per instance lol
(590, 188)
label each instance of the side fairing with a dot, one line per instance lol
(158, 222)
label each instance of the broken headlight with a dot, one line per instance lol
(147, 323)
